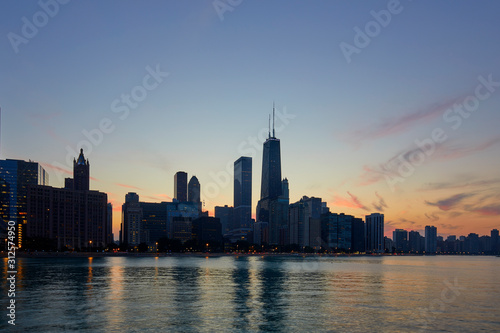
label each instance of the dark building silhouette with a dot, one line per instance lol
(207, 230)
(16, 177)
(70, 218)
(415, 242)
(400, 239)
(226, 216)
(69, 183)
(495, 241)
(181, 228)
(271, 206)
(358, 235)
(242, 193)
(154, 221)
(132, 220)
(75, 218)
(194, 190)
(81, 173)
(180, 186)
(430, 239)
(374, 233)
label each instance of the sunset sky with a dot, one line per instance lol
(383, 106)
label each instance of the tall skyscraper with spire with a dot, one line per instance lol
(268, 208)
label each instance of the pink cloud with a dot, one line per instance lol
(351, 202)
(128, 186)
(401, 123)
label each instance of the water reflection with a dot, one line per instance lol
(268, 294)
(272, 281)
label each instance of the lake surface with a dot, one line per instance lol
(255, 294)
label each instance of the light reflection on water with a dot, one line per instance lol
(256, 294)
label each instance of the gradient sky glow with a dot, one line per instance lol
(350, 123)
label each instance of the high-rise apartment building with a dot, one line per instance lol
(430, 239)
(374, 232)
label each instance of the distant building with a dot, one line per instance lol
(430, 239)
(15, 178)
(495, 241)
(358, 235)
(207, 230)
(415, 241)
(194, 190)
(181, 228)
(154, 221)
(226, 216)
(400, 239)
(374, 224)
(72, 218)
(260, 233)
(305, 222)
(269, 208)
(242, 198)
(111, 237)
(81, 173)
(180, 186)
(132, 221)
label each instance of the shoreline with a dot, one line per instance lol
(222, 254)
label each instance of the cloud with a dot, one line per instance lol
(432, 217)
(381, 205)
(351, 202)
(56, 168)
(448, 226)
(129, 186)
(411, 158)
(459, 185)
(451, 202)
(489, 210)
(401, 123)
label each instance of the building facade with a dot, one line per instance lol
(374, 231)
(242, 196)
(180, 186)
(16, 176)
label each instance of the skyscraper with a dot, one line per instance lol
(242, 193)
(430, 239)
(16, 176)
(180, 186)
(81, 173)
(194, 190)
(374, 233)
(268, 208)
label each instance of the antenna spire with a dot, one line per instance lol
(269, 125)
(274, 135)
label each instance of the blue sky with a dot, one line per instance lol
(347, 120)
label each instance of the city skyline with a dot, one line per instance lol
(398, 130)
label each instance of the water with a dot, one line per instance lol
(255, 294)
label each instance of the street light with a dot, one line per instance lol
(90, 245)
